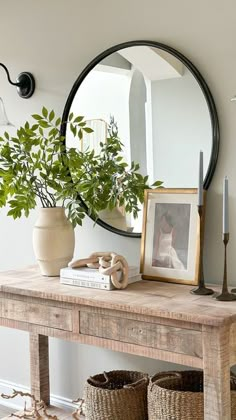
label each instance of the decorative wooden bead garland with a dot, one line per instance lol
(108, 263)
(39, 410)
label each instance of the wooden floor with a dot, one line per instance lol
(61, 414)
(5, 411)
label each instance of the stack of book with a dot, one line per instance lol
(90, 277)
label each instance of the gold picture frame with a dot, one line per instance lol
(170, 245)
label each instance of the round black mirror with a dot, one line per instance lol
(163, 110)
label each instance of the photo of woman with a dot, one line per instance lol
(171, 236)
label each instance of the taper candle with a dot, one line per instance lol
(225, 206)
(200, 182)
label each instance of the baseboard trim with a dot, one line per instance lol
(6, 387)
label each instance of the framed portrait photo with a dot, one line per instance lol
(170, 246)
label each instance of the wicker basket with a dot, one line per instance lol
(116, 395)
(179, 396)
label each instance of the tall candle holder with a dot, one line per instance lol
(225, 294)
(201, 289)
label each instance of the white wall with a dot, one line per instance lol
(137, 117)
(181, 128)
(54, 40)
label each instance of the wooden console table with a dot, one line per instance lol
(154, 319)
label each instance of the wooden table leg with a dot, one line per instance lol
(216, 364)
(39, 367)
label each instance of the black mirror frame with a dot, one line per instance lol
(202, 84)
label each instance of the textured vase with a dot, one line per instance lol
(53, 240)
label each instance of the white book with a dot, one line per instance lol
(93, 274)
(94, 284)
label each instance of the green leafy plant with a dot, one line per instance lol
(35, 164)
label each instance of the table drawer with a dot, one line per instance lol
(163, 337)
(38, 314)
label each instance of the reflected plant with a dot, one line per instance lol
(110, 181)
(113, 127)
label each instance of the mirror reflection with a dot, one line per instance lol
(160, 112)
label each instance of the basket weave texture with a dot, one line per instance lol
(179, 396)
(116, 395)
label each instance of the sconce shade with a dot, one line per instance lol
(3, 116)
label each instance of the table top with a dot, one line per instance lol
(146, 297)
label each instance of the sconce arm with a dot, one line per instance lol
(8, 75)
(25, 83)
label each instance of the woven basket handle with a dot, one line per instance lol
(160, 377)
(137, 383)
(233, 380)
(99, 383)
(232, 375)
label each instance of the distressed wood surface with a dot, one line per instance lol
(39, 367)
(166, 300)
(153, 319)
(39, 314)
(232, 343)
(216, 364)
(145, 334)
(167, 356)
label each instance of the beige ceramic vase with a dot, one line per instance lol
(53, 240)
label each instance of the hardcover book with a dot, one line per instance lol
(93, 274)
(94, 283)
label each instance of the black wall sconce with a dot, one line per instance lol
(25, 83)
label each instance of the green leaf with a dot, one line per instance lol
(157, 184)
(78, 119)
(44, 124)
(88, 130)
(51, 115)
(73, 129)
(44, 112)
(71, 116)
(37, 117)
